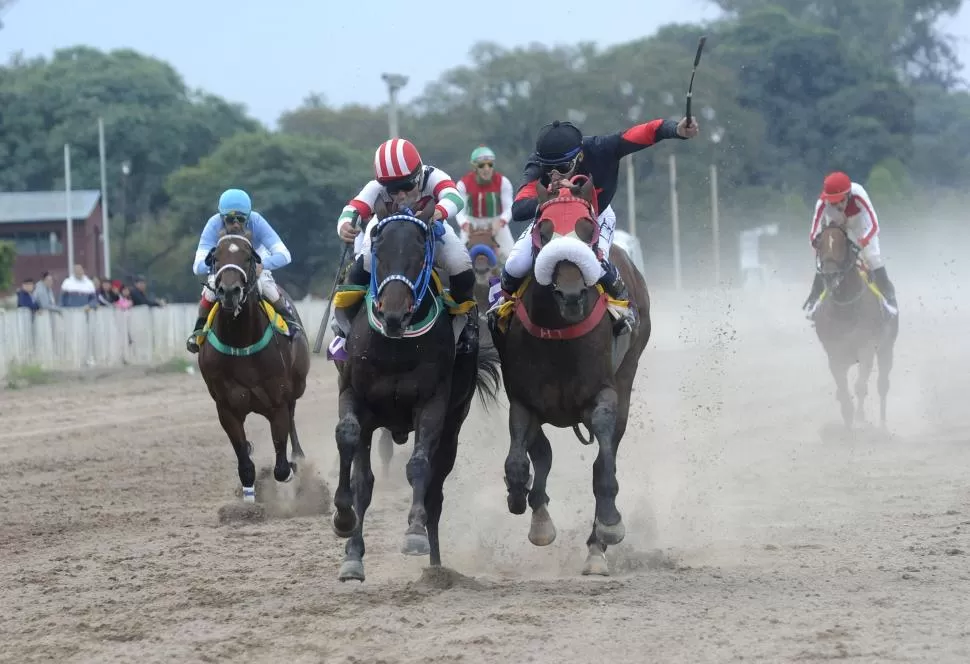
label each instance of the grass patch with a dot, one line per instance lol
(25, 375)
(175, 365)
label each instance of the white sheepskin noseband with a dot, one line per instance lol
(567, 249)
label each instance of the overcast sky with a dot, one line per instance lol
(270, 55)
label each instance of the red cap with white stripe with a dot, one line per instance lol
(396, 159)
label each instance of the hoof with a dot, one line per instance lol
(543, 530)
(596, 564)
(352, 570)
(416, 544)
(286, 478)
(517, 502)
(610, 535)
(342, 525)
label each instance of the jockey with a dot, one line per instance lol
(562, 151)
(236, 215)
(488, 200)
(403, 180)
(847, 204)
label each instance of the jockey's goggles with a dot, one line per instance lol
(235, 218)
(484, 164)
(563, 164)
(401, 186)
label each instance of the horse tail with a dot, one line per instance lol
(487, 376)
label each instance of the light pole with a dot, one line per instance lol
(626, 89)
(716, 135)
(394, 83)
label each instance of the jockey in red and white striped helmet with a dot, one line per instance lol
(401, 179)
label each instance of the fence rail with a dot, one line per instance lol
(69, 339)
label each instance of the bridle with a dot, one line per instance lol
(249, 274)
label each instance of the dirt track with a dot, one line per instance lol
(753, 533)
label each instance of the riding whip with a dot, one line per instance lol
(690, 87)
(318, 344)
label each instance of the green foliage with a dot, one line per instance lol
(298, 183)
(20, 376)
(8, 254)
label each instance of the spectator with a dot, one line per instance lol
(25, 296)
(78, 290)
(140, 296)
(124, 299)
(44, 292)
(107, 295)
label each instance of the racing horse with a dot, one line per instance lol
(561, 364)
(402, 374)
(852, 324)
(249, 363)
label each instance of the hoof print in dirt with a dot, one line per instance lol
(242, 513)
(444, 578)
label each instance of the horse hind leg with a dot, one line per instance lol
(523, 426)
(542, 531)
(385, 447)
(233, 426)
(866, 361)
(885, 357)
(294, 438)
(840, 372)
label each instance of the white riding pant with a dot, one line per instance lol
(871, 254)
(519, 262)
(450, 254)
(267, 287)
(500, 232)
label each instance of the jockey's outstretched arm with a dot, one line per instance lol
(207, 242)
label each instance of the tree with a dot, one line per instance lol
(299, 184)
(355, 124)
(151, 120)
(904, 33)
(8, 254)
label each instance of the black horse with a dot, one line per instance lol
(402, 373)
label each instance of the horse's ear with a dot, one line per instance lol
(380, 209)
(587, 191)
(425, 213)
(542, 194)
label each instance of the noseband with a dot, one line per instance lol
(248, 275)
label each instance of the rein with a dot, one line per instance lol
(419, 287)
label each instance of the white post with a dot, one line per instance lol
(394, 83)
(675, 221)
(67, 210)
(105, 237)
(631, 196)
(715, 226)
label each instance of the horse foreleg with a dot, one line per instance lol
(840, 372)
(523, 426)
(279, 427)
(542, 531)
(608, 523)
(428, 426)
(866, 360)
(233, 426)
(442, 463)
(363, 487)
(885, 357)
(344, 520)
(294, 438)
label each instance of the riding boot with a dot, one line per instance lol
(509, 286)
(284, 309)
(614, 286)
(356, 276)
(886, 288)
(812, 300)
(462, 289)
(191, 345)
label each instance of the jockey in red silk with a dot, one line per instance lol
(846, 203)
(488, 201)
(403, 180)
(562, 151)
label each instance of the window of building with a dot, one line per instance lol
(35, 243)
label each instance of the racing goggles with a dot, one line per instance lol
(235, 218)
(484, 164)
(564, 164)
(401, 186)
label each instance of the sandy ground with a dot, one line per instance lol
(754, 533)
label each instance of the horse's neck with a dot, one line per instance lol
(243, 330)
(850, 286)
(542, 307)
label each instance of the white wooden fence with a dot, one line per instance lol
(71, 338)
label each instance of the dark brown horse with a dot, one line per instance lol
(852, 324)
(402, 374)
(247, 366)
(561, 365)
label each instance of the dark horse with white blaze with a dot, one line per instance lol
(852, 324)
(403, 374)
(562, 364)
(248, 364)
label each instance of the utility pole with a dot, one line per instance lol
(394, 83)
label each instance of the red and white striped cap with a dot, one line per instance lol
(396, 159)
